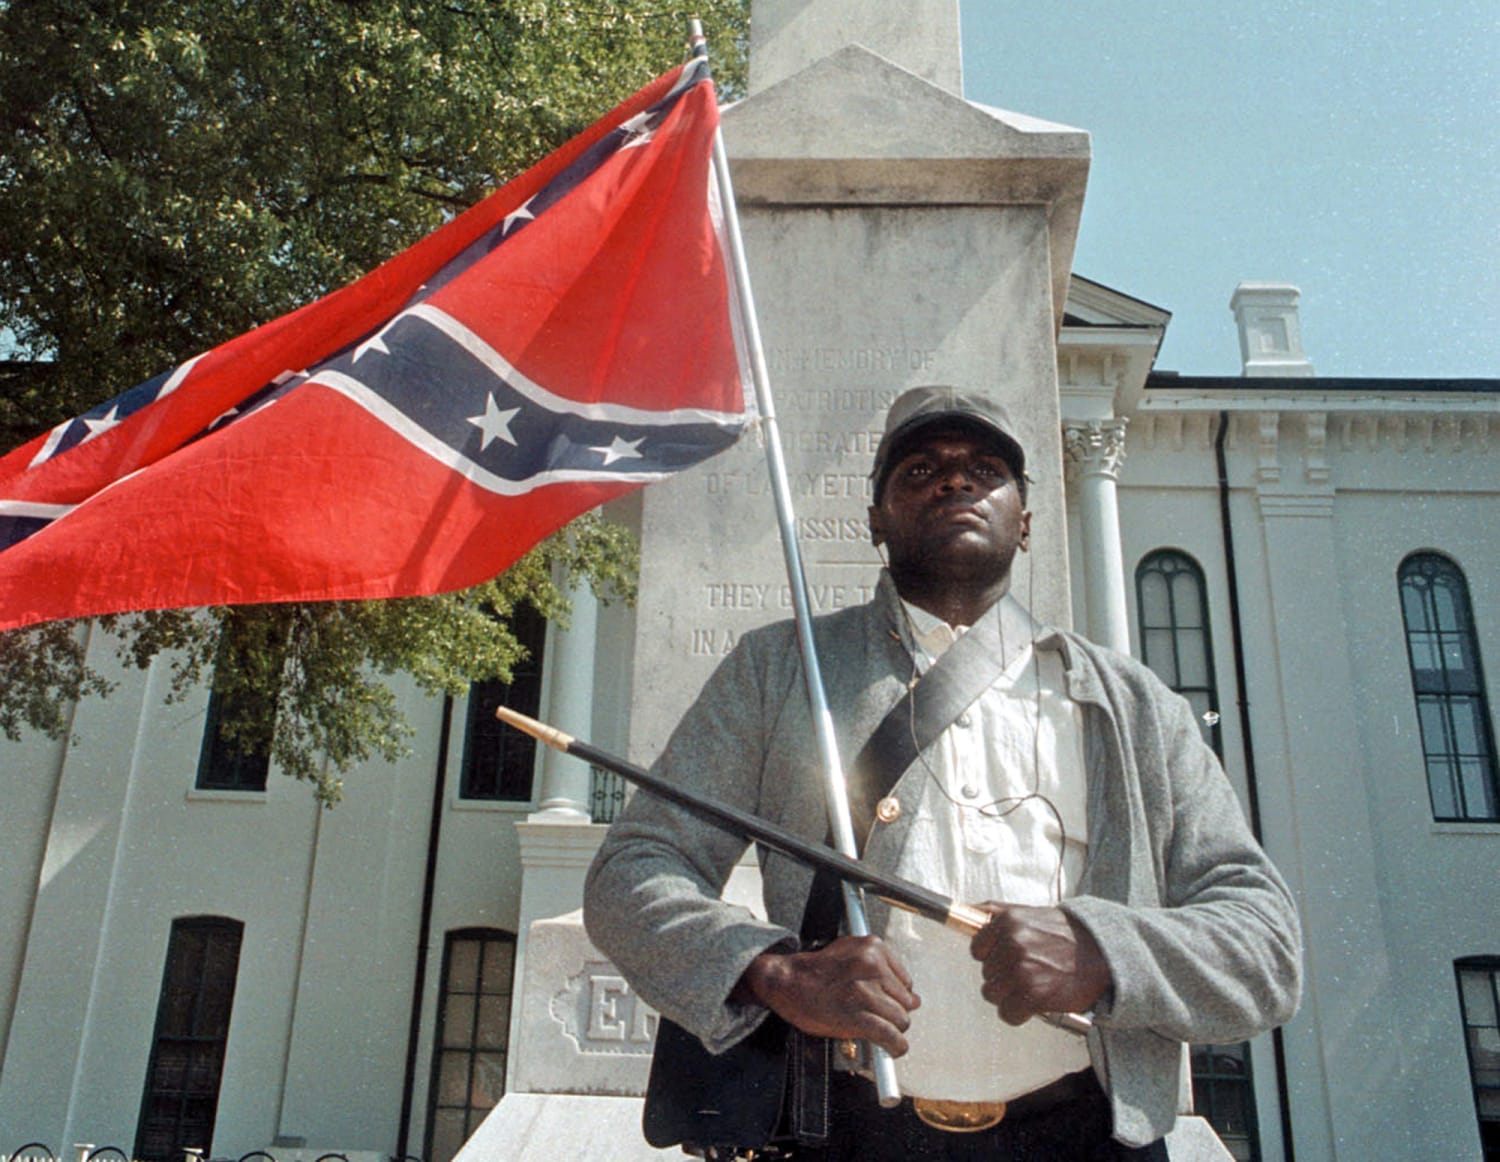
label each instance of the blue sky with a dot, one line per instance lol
(1352, 149)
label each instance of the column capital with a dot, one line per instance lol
(1095, 447)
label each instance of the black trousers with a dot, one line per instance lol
(1075, 1131)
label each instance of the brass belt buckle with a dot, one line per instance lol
(959, 1117)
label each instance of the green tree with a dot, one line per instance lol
(175, 172)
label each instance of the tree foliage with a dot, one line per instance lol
(175, 172)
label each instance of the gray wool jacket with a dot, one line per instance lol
(1200, 932)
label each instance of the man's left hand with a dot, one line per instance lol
(1038, 960)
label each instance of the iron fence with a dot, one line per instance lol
(88, 1152)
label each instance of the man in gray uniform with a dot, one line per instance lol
(1068, 788)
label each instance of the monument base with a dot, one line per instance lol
(543, 1127)
(1193, 1140)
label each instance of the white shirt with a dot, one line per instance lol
(1001, 815)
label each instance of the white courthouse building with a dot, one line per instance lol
(198, 955)
(193, 954)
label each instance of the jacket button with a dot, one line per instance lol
(888, 810)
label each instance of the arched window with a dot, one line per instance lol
(473, 1036)
(1447, 679)
(1479, 1000)
(181, 1099)
(1172, 604)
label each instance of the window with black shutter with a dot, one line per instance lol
(181, 1098)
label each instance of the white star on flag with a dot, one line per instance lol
(621, 450)
(523, 211)
(103, 424)
(375, 342)
(495, 424)
(636, 131)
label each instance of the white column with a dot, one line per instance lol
(557, 841)
(570, 707)
(1095, 451)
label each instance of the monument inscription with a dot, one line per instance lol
(829, 442)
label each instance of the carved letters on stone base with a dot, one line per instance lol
(601, 1014)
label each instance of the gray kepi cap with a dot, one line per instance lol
(922, 407)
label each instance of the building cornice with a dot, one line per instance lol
(1318, 401)
(1435, 415)
(1371, 429)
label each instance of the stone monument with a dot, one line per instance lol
(897, 235)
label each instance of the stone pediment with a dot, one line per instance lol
(856, 105)
(1107, 348)
(1092, 304)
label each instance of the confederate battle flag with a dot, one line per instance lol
(569, 339)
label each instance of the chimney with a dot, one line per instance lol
(1270, 333)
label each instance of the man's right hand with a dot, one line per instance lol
(852, 988)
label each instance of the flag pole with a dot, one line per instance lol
(835, 787)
